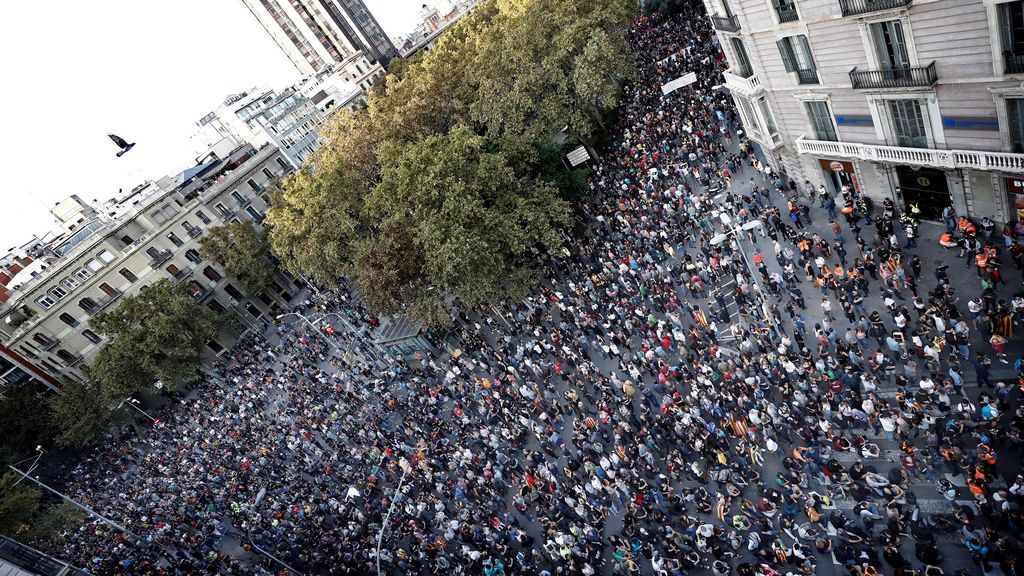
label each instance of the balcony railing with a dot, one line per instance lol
(946, 159)
(807, 76)
(159, 258)
(104, 302)
(202, 294)
(726, 23)
(746, 85)
(182, 275)
(855, 7)
(1014, 62)
(195, 232)
(48, 344)
(72, 361)
(787, 13)
(905, 77)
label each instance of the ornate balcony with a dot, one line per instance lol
(726, 23)
(905, 77)
(945, 159)
(857, 7)
(807, 76)
(747, 85)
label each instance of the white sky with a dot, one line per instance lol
(74, 71)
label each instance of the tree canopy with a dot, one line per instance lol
(448, 183)
(243, 251)
(157, 334)
(80, 414)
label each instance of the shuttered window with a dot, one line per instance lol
(742, 61)
(1015, 112)
(821, 120)
(908, 123)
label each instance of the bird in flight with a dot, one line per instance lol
(122, 144)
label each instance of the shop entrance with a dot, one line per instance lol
(838, 174)
(925, 187)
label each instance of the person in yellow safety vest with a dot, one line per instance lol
(981, 259)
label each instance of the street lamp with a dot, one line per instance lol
(732, 229)
(313, 326)
(133, 403)
(391, 508)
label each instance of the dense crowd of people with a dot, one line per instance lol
(663, 403)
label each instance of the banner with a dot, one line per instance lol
(684, 80)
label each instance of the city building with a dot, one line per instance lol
(433, 22)
(915, 100)
(289, 119)
(315, 34)
(151, 233)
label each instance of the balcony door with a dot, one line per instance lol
(1011, 35)
(891, 46)
(908, 123)
(743, 67)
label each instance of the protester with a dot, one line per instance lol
(660, 404)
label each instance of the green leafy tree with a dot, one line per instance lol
(53, 527)
(243, 251)
(18, 503)
(80, 415)
(315, 221)
(460, 216)
(157, 334)
(24, 420)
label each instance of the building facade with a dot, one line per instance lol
(314, 34)
(44, 324)
(915, 100)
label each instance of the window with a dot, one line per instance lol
(174, 239)
(890, 46)
(68, 319)
(268, 173)
(46, 302)
(742, 61)
(91, 336)
(94, 265)
(202, 217)
(233, 292)
(187, 226)
(83, 273)
(106, 256)
(216, 307)
(69, 283)
(165, 213)
(821, 120)
(282, 163)
(127, 239)
(1011, 35)
(785, 10)
(173, 270)
(224, 212)
(766, 113)
(252, 184)
(908, 123)
(128, 275)
(43, 340)
(108, 289)
(1015, 112)
(58, 292)
(212, 274)
(796, 57)
(254, 213)
(87, 304)
(193, 256)
(238, 197)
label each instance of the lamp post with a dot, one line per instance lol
(311, 325)
(25, 476)
(391, 508)
(258, 548)
(133, 403)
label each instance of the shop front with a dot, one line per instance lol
(837, 173)
(1015, 191)
(926, 188)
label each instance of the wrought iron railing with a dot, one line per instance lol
(902, 77)
(855, 7)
